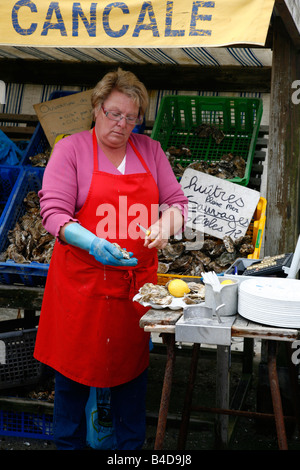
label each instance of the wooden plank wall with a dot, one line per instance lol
(282, 225)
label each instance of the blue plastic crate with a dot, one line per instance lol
(39, 142)
(29, 425)
(9, 179)
(30, 274)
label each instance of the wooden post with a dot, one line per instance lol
(282, 223)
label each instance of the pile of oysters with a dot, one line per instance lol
(214, 255)
(28, 240)
(228, 167)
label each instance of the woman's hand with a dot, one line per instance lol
(171, 222)
(158, 237)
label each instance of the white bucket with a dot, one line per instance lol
(227, 296)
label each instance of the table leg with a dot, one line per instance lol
(222, 394)
(169, 340)
(276, 398)
(186, 412)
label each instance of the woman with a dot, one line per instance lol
(98, 185)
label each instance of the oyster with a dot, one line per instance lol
(228, 243)
(178, 152)
(125, 253)
(155, 293)
(246, 249)
(197, 288)
(207, 130)
(196, 294)
(40, 159)
(163, 267)
(172, 251)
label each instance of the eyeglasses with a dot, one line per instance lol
(115, 116)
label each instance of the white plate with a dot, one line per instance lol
(271, 301)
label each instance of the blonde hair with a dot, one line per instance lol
(125, 82)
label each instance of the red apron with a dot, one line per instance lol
(89, 326)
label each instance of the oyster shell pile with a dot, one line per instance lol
(215, 255)
(228, 167)
(29, 241)
(159, 295)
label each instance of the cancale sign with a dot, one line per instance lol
(134, 23)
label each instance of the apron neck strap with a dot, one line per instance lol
(95, 152)
(139, 155)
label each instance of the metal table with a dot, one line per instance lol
(163, 322)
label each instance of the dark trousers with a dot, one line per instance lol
(128, 411)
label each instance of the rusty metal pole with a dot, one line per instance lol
(276, 398)
(169, 341)
(293, 374)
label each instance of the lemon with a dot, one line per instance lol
(227, 281)
(178, 288)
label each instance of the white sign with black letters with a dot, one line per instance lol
(218, 207)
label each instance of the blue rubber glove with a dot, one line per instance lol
(102, 250)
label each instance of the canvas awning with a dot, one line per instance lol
(202, 56)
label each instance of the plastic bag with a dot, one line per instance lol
(100, 432)
(9, 152)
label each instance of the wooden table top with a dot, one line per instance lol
(164, 321)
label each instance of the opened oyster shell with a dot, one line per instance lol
(125, 253)
(154, 293)
(196, 294)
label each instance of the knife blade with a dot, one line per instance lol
(147, 232)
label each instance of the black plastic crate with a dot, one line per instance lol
(18, 367)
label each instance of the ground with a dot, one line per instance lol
(250, 434)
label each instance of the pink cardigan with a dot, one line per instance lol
(68, 176)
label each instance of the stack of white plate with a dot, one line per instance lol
(271, 301)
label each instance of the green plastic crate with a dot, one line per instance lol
(238, 118)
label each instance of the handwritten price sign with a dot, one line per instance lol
(218, 207)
